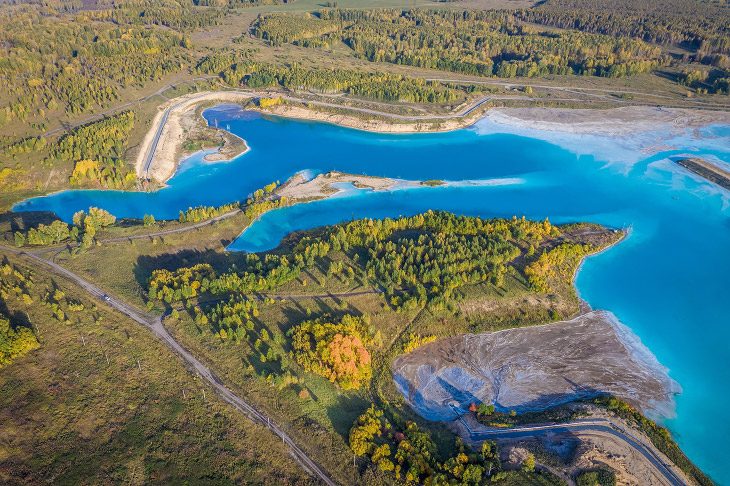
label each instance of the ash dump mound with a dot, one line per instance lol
(535, 368)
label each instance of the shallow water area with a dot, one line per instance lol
(667, 281)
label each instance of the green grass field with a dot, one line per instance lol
(102, 401)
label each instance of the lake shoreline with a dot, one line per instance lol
(184, 114)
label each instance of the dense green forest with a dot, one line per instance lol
(700, 31)
(237, 69)
(417, 261)
(51, 64)
(487, 43)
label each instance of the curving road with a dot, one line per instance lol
(152, 148)
(599, 426)
(154, 323)
(182, 229)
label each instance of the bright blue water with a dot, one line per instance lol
(668, 281)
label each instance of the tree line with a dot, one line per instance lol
(201, 213)
(418, 261)
(237, 69)
(96, 150)
(485, 43)
(84, 228)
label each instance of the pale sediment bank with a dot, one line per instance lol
(535, 368)
(303, 186)
(619, 136)
(609, 122)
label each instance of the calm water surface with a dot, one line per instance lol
(668, 281)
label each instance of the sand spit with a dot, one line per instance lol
(303, 187)
(534, 368)
(180, 117)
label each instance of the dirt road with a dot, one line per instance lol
(154, 323)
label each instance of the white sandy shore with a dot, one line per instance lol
(614, 122)
(181, 119)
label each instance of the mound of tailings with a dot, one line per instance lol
(534, 368)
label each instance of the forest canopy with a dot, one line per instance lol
(486, 43)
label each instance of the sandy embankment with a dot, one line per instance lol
(374, 124)
(534, 368)
(182, 119)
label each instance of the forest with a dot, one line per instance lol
(97, 151)
(418, 261)
(409, 454)
(682, 23)
(237, 69)
(50, 65)
(486, 43)
(699, 34)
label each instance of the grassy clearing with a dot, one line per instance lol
(103, 402)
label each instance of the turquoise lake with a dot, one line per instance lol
(669, 281)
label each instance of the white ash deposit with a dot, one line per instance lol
(534, 368)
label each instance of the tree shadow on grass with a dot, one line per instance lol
(220, 261)
(17, 319)
(23, 220)
(345, 411)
